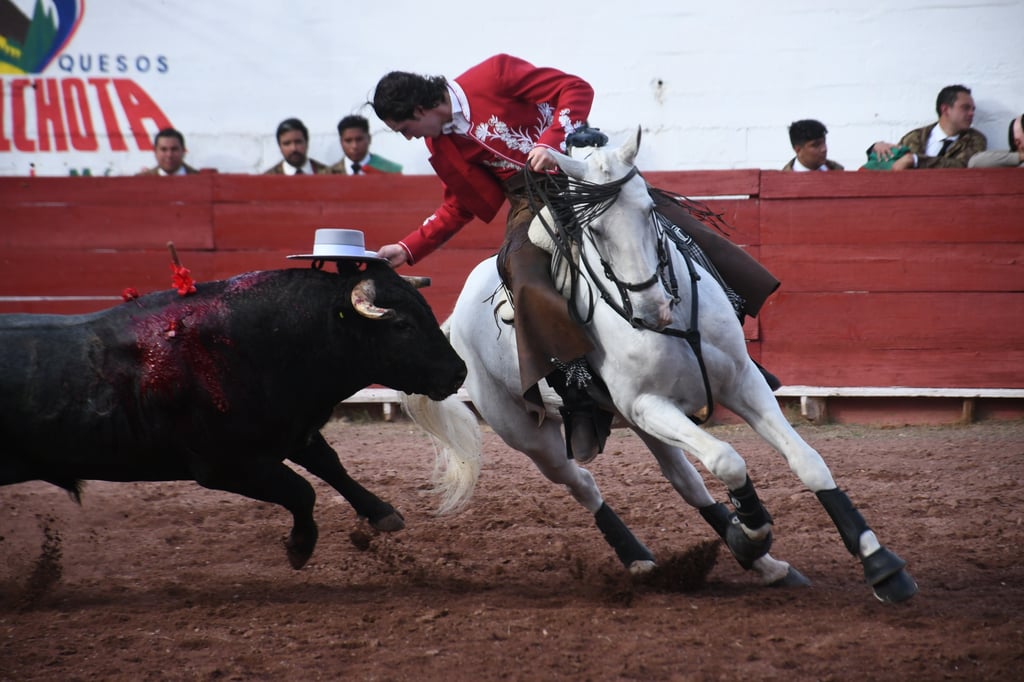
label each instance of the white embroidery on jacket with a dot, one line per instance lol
(525, 138)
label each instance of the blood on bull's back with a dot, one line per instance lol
(219, 386)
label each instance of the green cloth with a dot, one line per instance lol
(875, 164)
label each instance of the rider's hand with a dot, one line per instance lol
(540, 160)
(394, 253)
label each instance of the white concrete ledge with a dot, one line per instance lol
(896, 392)
(812, 398)
(387, 398)
(814, 404)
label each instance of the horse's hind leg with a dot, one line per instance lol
(548, 453)
(690, 486)
(545, 446)
(883, 569)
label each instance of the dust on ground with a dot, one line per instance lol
(173, 581)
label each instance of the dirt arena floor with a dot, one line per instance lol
(153, 581)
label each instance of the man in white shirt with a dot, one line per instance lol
(293, 141)
(354, 135)
(808, 140)
(169, 150)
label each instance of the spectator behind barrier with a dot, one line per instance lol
(354, 135)
(293, 141)
(950, 142)
(808, 139)
(1014, 157)
(169, 150)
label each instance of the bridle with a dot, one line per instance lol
(575, 204)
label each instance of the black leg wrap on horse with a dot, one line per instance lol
(726, 523)
(717, 516)
(749, 509)
(848, 520)
(622, 540)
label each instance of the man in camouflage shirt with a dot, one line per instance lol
(948, 143)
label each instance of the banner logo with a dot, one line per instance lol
(72, 114)
(29, 44)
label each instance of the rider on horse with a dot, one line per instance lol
(485, 130)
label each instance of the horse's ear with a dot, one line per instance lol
(627, 152)
(572, 167)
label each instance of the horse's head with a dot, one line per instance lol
(619, 230)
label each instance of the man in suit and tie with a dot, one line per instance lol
(354, 134)
(293, 140)
(948, 143)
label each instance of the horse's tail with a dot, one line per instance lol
(455, 432)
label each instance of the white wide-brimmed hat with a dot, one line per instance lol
(336, 244)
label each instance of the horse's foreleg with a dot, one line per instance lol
(883, 569)
(685, 479)
(753, 400)
(688, 483)
(663, 420)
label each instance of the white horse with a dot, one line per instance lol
(657, 374)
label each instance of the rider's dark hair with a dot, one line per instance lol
(399, 93)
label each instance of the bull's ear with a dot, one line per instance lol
(416, 281)
(363, 294)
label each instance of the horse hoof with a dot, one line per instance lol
(881, 564)
(896, 588)
(641, 568)
(390, 523)
(793, 578)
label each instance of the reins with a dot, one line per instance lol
(574, 204)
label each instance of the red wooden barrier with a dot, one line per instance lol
(889, 279)
(895, 279)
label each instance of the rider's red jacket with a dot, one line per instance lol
(502, 108)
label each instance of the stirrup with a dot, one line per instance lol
(587, 425)
(582, 441)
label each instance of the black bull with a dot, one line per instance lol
(219, 387)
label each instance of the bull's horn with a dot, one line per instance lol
(362, 300)
(417, 281)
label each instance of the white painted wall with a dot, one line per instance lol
(714, 85)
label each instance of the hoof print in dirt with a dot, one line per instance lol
(360, 540)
